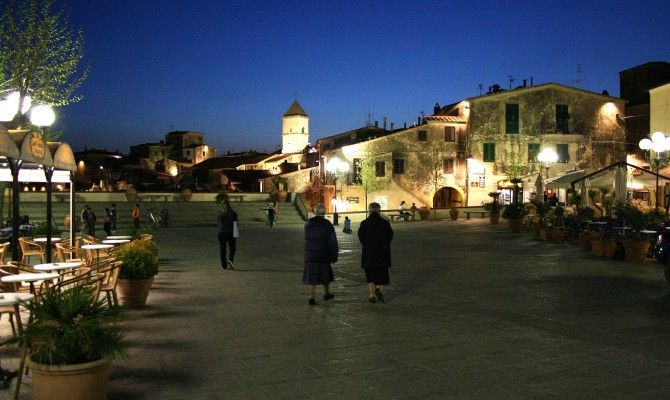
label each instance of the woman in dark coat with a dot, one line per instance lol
(226, 220)
(375, 234)
(320, 251)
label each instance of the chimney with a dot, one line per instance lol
(391, 125)
(531, 81)
(376, 124)
(418, 120)
(384, 123)
(525, 81)
(404, 125)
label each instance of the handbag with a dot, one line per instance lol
(236, 233)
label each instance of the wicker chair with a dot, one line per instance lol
(3, 251)
(29, 249)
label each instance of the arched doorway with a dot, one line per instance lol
(447, 197)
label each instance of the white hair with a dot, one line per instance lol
(319, 209)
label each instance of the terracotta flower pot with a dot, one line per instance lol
(494, 217)
(596, 247)
(515, 225)
(608, 248)
(558, 235)
(585, 241)
(133, 292)
(78, 381)
(636, 251)
(453, 213)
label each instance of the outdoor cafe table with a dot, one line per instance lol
(121, 237)
(12, 299)
(29, 277)
(57, 266)
(44, 240)
(97, 247)
(115, 241)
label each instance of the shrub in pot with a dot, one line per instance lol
(74, 337)
(514, 214)
(453, 213)
(493, 207)
(139, 266)
(424, 212)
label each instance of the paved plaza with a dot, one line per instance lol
(473, 312)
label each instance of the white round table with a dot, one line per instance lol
(115, 241)
(119, 237)
(12, 299)
(29, 277)
(57, 266)
(44, 240)
(97, 247)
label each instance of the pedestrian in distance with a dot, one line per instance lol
(84, 221)
(136, 214)
(413, 210)
(227, 223)
(403, 211)
(347, 225)
(375, 235)
(90, 221)
(321, 251)
(115, 217)
(107, 226)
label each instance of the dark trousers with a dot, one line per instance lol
(137, 223)
(227, 238)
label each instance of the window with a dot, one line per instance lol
(356, 171)
(399, 166)
(203, 153)
(511, 119)
(422, 136)
(449, 133)
(188, 152)
(533, 151)
(562, 118)
(563, 154)
(448, 165)
(489, 152)
(380, 168)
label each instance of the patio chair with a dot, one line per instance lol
(111, 277)
(30, 249)
(9, 287)
(67, 253)
(3, 251)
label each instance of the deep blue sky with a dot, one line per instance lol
(232, 68)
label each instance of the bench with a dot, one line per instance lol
(399, 217)
(238, 197)
(482, 213)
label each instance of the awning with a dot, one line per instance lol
(563, 181)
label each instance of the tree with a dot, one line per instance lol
(367, 178)
(40, 55)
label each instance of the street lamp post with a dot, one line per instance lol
(335, 166)
(658, 144)
(547, 156)
(42, 116)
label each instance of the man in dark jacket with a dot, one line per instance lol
(375, 234)
(320, 251)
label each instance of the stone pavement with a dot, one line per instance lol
(473, 312)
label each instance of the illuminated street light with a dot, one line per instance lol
(335, 166)
(546, 157)
(658, 144)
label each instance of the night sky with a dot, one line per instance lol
(231, 69)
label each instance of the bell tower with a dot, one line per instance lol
(295, 129)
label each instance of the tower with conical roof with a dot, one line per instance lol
(295, 129)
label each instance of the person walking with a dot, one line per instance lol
(91, 221)
(227, 221)
(107, 226)
(136, 215)
(320, 251)
(115, 217)
(375, 234)
(84, 221)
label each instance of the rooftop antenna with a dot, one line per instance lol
(511, 79)
(295, 96)
(481, 88)
(579, 79)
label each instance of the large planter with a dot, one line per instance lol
(78, 381)
(494, 217)
(542, 233)
(558, 235)
(597, 247)
(133, 292)
(636, 251)
(608, 248)
(515, 225)
(453, 214)
(186, 195)
(585, 241)
(131, 194)
(424, 212)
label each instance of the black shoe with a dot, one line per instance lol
(328, 296)
(312, 302)
(224, 267)
(372, 299)
(379, 295)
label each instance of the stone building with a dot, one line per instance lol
(179, 150)
(469, 148)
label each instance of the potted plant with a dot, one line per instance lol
(453, 213)
(140, 265)
(541, 225)
(74, 337)
(635, 244)
(279, 193)
(514, 214)
(186, 194)
(602, 244)
(493, 207)
(585, 214)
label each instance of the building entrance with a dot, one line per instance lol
(447, 197)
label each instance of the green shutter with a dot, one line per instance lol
(489, 152)
(562, 118)
(511, 118)
(533, 151)
(563, 153)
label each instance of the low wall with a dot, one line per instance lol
(120, 197)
